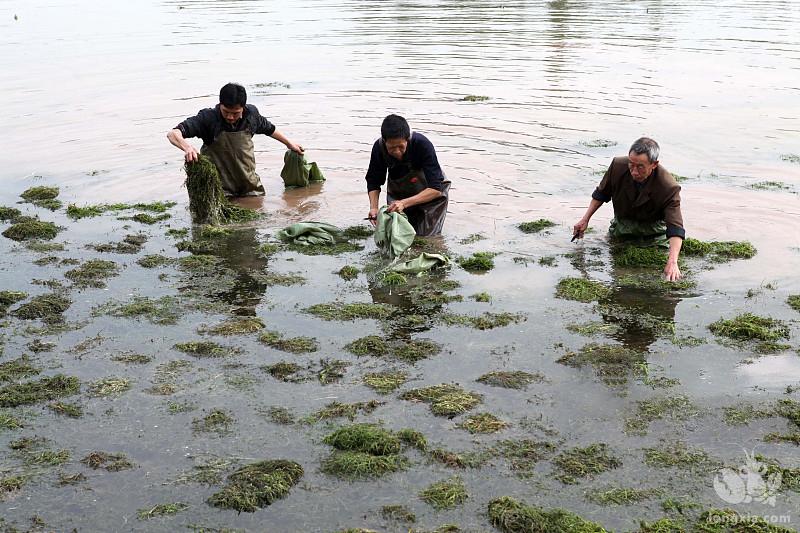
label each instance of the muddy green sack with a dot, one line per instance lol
(394, 234)
(424, 262)
(297, 172)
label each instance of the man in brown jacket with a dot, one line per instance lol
(646, 199)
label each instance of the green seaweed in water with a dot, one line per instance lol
(352, 311)
(510, 379)
(32, 229)
(748, 326)
(637, 256)
(45, 389)
(581, 290)
(291, 345)
(483, 423)
(794, 301)
(445, 399)
(479, 262)
(112, 462)
(236, 326)
(474, 98)
(48, 307)
(204, 349)
(535, 226)
(400, 513)
(512, 516)
(718, 251)
(92, 273)
(216, 421)
(38, 193)
(9, 213)
(162, 509)
(385, 382)
(207, 202)
(348, 272)
(584, 462)
(445, 494)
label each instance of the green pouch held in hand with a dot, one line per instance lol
(297, 172)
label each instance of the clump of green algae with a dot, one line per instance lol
(44, 389)
(216, 421)
(718, 251)
(536, 226)
(203, 349)
(483, 423)
(512, 516)
(385, 382)
(162, 509)
(207, 202)
(32, 230)
(581, 290)
(445, 399)
(584, 462)
(291, 345)
(612, 363)
(748, 326)
(92, 273)
(258, 485)
(112, 462)
(236, 326)
(363, 451)
(478, 262)
(445, 494)
(348, 272)
(351, 311)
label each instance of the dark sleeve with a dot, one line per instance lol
(259, 123)
(200, 125)
(376, 173)
(672, 214)
(430, 164)
(603, 191)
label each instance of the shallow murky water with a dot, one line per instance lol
(90, 91)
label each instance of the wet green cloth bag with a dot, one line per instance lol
(420, 264)
(394, 233)
(297, 172)
(308, 233)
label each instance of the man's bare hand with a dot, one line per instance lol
(396, 207)
(672, 271)
(580, 228)
(190, 154)
(294, 147)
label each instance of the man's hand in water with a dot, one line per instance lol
(373, 216)
(579, 229)
(672, 271)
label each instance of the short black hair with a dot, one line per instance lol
(232, 95)
(395, 127)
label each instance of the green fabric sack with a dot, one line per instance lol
(308, 233)
(420, 264)
(394, 233)
(297, 172)
(646, 233)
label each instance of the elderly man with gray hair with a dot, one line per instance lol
(646, 200)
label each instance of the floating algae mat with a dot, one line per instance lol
(258, 485)
(207, 202)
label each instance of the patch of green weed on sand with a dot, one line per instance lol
(32, 230)
(673, 407)
(352, 311)
(112, 462)
(216, 421)
(40, 192)
(478, 262)
(748, 326)
(348, 273)
(110, 386)
(512, 516)
(581, 290)
(275, 340)
(536, 226)
(445, 399)
(511, 379)
(445, 494)
(584, 462)
(385, 382)
(45, 389)
(611, 362)
(483, 423)
(92, 273)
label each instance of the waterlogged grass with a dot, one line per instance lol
(76, 212)
(366, 438)
(523, 454)
(92, 273)
(358, 232)
(42, 390)
(204, 349)
(163, 311)
(482, 297)
(510, 379)
(112, 462)
(535, 226)
(17, 369)
(147, 218)
(110, 386)
(278, 414)
(326, 249)
(32, 230)
(10, 422)
(581, 290)
(9, 213)
(162, 509)
(451, 459)
(673, 407)
(769, 186)
(236, 326)
(70, 410)
(352, 311)
(483, 423)
(39, 193)
(343, 410)
(348, 273)
(621, 495)
(445, 399)
(398, 513)
(484, 321)
(445, 494)
(216, 421)
(592, 328)
(584, 462)
(718, 251)
(385, 382)
(283, 370)
(478, 262)
(364, 451)
(291, 345)
(360, 465)
(748, 326)
(512, 516)
(413, 438)
(257, 485)
(636, 256)
(154, 261)
(677, 454)
(794, 301)
(393, 279)
(611, 362)
(331, 370)
(9, 298)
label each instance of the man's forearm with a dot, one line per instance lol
(374, 198)
(422, 197)
(675, 244)
(594, 205)
(176, 139)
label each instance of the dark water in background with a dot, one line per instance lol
(90, 90)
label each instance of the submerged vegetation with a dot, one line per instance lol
(718, 251)
(363, 451)
(581, 290)
(207, 202)
(478, 262)
(32, 229)
(257, 485)
(584, 462)
(44, 389)
(512, 516)
(536, 226)
(445, 399)
(445, 494)
(510, 379)
(748, 326)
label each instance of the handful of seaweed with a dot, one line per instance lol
(207, 202)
